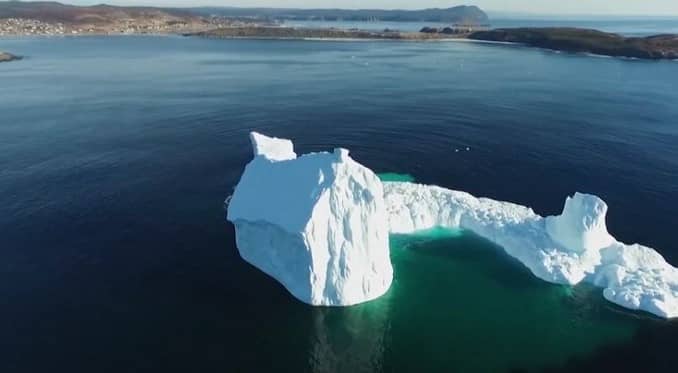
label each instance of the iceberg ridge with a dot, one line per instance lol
(319, 224)
(565, 249)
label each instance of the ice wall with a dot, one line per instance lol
(315, 223)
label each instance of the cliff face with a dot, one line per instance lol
(587, 41)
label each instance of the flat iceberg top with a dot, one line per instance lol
(272, 148)
(284, 192)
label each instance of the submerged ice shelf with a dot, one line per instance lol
(565, 249)
(319, 224)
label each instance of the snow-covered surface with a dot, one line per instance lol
(319, 224)
(566, 249)
(272, 148)
(581, 227)
(316, 223)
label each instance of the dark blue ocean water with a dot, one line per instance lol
(116, 155)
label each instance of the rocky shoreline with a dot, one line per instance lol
(7, 57)
(572, 40)
(575, 40)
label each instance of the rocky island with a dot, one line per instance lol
(586, 41)
(6, 57)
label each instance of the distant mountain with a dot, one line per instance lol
(459, 14)
(71, 14)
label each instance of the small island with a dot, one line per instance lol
(7, 57)
(578, 40)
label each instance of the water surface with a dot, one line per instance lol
(116, 155)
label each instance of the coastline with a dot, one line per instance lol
(332, 34)
(582, 46)
(587, 41)
(273, 38)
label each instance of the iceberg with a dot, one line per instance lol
(319, 224)
(315, 223)
(565, 249)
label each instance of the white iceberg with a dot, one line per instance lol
(316, 223)
(565, 249)
(319, 224)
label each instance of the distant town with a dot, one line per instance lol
(31, 27)
(54, 19)
(18, 18)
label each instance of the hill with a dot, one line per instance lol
(459, 14)
(53, 12)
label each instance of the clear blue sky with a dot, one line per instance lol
(611, 7)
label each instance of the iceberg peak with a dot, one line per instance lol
(341, 154)
(272, 148)
(581, 227)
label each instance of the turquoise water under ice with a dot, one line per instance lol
(466, 294)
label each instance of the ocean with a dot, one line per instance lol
(116, 155)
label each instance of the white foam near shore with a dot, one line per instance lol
(319, 224)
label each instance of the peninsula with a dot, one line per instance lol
(254, 32)
(18, 18)
(52, 18)
(577, 40)
(573, 40)
(6, 57)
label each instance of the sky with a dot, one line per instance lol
(581, 7)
